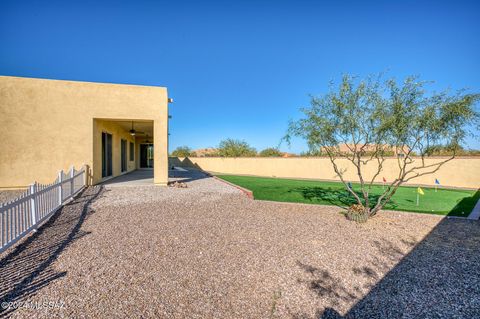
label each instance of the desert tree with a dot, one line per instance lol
(183, 151)
(270, 152)
(312, 153)
(365, 121)
(235, 148)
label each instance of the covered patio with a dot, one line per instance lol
(123, 146)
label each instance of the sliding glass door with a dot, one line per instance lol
(106, 154)
(146, 155)
(123, 155)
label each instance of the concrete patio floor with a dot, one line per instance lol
(144, 177)
(135, 178)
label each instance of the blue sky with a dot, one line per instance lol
(240, 69)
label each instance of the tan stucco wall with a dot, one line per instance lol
(460, 172)
(48, 125)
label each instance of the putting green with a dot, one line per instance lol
(452, 202)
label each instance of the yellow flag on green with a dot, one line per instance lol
(420, 191)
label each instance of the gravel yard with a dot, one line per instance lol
(207, 251)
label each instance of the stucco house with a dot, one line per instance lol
(49, 125)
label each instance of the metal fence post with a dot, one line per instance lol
(60, 189)
(33, 203)
(72, 174)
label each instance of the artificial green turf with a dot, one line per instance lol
(452, 202)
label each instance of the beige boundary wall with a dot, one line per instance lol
(461, 172)
(49, 125)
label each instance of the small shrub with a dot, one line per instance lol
(183, 151)
(357, 213)
(270, 152)
(235, 148)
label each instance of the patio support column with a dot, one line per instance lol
(160, 150)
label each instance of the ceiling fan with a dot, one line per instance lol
(146, 139)
(134, 132)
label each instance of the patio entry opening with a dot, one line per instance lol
(122, 146)
(146, 155)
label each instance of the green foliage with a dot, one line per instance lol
(439, 150)
(213, 154)
(183, 151)
(270, 152)
(312, 153)
(451, 202)
(373, 117)
(235, 148)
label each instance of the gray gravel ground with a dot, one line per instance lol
(209, 252)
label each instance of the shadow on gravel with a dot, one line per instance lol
(325, 285)
(439, 278)
(27, 268)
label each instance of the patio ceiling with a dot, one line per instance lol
(140, 126)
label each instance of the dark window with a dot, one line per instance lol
(106, 154)
(132, 151)
(123, 155)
